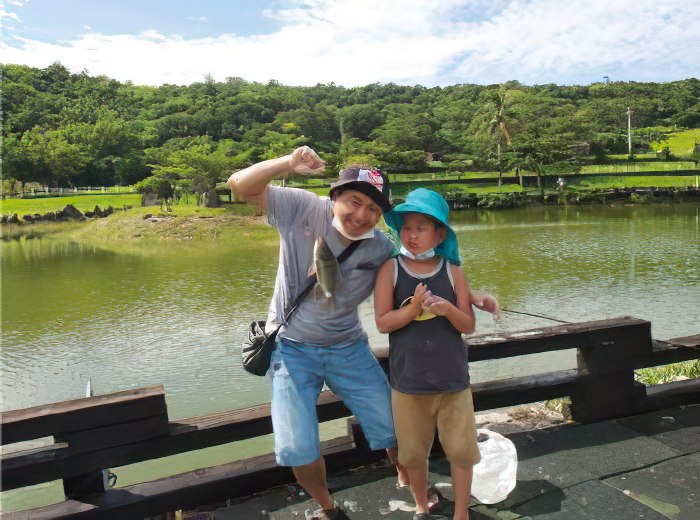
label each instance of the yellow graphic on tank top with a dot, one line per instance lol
(425, 315)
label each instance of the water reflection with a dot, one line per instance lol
(130, 319)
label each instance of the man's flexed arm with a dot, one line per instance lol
(251, 183)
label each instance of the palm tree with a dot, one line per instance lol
(498, 127)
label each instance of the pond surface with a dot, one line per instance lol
(174, 314)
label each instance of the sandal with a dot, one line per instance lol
(435, 499)
(330, 514)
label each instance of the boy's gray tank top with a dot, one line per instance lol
(429, 356)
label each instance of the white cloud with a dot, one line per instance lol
(6, 14)
(428, 42)
(17, 3)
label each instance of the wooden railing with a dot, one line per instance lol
(125, 427)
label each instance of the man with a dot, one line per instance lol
(324, 343)
(320, 343)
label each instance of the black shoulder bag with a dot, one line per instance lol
(258, 346)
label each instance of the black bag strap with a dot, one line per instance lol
(348, 251)
(312, 281)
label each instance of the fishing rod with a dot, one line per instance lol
(534, 315)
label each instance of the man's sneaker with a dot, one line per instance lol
(422, 516)
(330, 514)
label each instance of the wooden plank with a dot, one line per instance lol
(26, 468)
(667, 352)
(598, 334)
(686, 341)
(527, 389)
(116, 435)
(672, 394)
(544, 339)
(192, 489)
(67, 509)
(80, 414)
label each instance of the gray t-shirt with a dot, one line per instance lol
(301, 217)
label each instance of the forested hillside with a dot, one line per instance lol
(67, 129)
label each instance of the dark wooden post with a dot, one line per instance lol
(83, 486)
(610, 360)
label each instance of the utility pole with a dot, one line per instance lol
(629, 132)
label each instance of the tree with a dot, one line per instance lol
(359, 121)
(534, 152)
(157, 185)
(405, 129)
(276, 144)
(66, 160)
(16, 162)
(499, 128)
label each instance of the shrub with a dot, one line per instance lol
(157, 186)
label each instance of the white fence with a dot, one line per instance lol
(40, 190)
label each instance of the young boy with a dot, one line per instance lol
(422, 299)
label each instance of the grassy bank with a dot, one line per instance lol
(144, 224)
(639, 167)
(82, 202)
(611, 182)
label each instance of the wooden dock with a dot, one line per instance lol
(131, 426)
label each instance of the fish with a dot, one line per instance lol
(325, 266)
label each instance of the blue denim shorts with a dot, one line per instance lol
(352, 373)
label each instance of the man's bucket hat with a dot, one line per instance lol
(366, 181)
(432, 204)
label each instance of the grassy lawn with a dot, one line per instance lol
(451, 189)
(193, 222)
(638, 167)
(82, 202)
(637, 156)
(682, 143)
(88, 203)
(183, 222)
(414, 177)
(632, 182)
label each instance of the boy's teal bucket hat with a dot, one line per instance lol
(432, 204)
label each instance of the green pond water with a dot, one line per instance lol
(174, 314)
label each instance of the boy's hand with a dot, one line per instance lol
(437, 305)
(420, 295)
(486, 302)
(305, 161)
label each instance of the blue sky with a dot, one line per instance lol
(356, 42)
(55, 20)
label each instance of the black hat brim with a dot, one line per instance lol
(366, 189)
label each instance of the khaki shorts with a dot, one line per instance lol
(417, 416)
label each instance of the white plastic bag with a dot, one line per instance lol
(495, 475)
